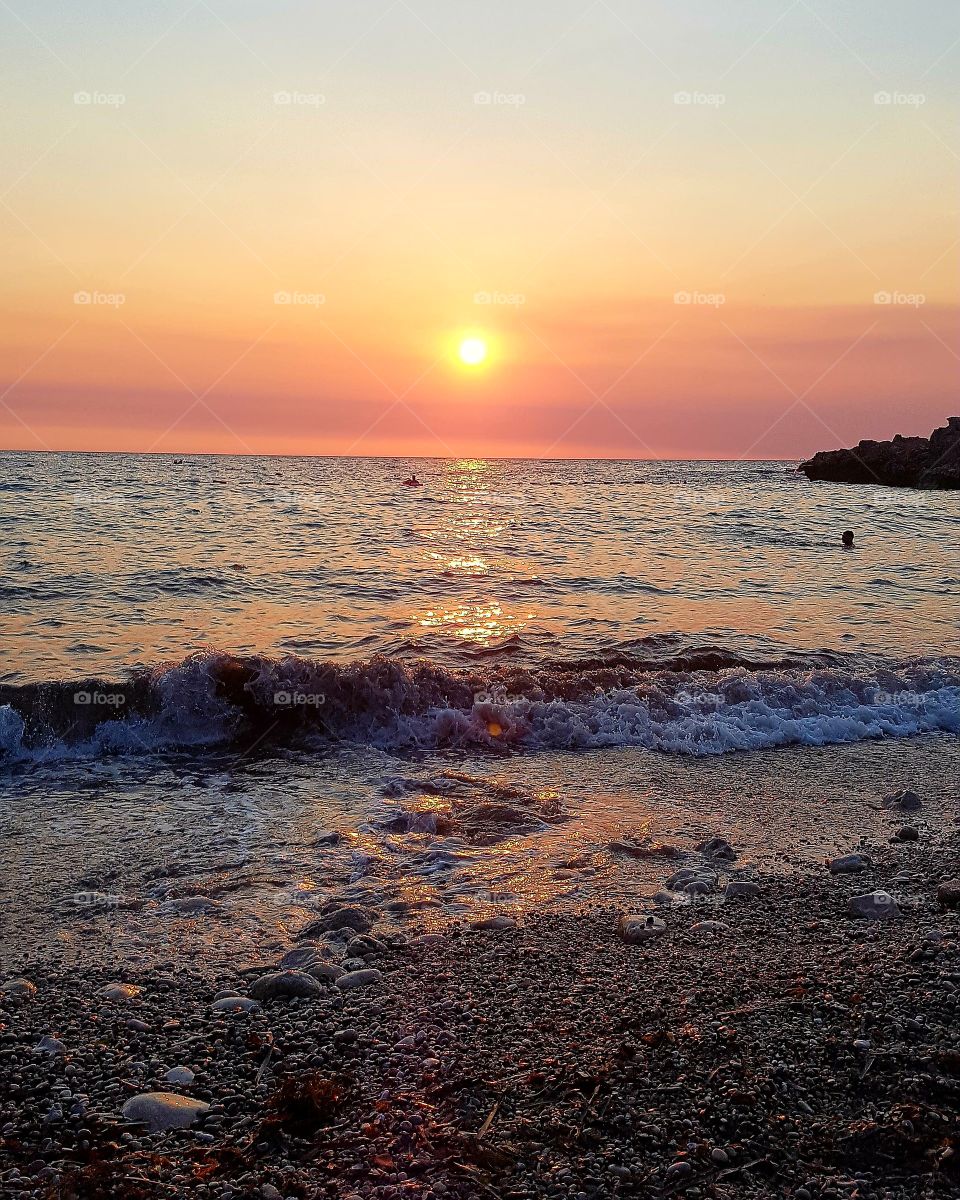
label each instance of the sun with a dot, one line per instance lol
(473, 350)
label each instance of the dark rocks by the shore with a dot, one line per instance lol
(916, 462)
(791, 1049)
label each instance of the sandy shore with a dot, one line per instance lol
(793, 1050)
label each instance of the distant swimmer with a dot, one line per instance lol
(847, 538)
(413, 481)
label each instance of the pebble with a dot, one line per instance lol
(848, 864)
(284, 985)
(348, 917)
(328, 972)
(640, 927)
(50, 1045)
(119, 991)
(745, 888)
(874, 906)
(908, 833)
(234, 1004)
(300, 958)
(20, 988)
(355, 979)
(717, 847)
(948, 893)
(906, 801)
(180, 1076)
(163, 1110)
(495, 923)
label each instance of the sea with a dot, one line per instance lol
(237, 689)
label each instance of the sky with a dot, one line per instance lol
(708, 229)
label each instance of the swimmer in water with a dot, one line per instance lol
(847, 538)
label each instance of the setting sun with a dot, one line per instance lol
(473, 351)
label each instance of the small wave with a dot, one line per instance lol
(699, 702)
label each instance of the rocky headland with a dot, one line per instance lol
(916, 462)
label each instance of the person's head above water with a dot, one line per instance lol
(847, 538)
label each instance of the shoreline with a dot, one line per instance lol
(794, 1051)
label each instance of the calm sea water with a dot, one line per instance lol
(270, 681)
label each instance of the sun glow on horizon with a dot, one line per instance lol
(472, 351)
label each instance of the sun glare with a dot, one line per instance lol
(473, 351)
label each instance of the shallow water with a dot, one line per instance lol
(208, 662)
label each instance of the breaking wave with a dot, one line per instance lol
(703, 701)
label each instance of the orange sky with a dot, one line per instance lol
(684, 234)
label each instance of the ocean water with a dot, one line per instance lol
(210, 664)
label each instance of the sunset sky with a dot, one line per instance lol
(242, 227)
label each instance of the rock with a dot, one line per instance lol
(283, 985)
(327, 837)
(502, 921)
(326, 972)
(643, 849)
(948, 893)
(269, 1192)
(717, 847)
(709, 927)
(138, 1026)
(180, 1076)
(21, 989)
(299, 958)
(640, 927)
(848, 864)
(234, 1004)
(190, 906)
(905, 801)
(50, 1045)
(908, 833)
(119, 991)
(349, 917)
(741, 888)
(919, 462)
(163, 1110)
(363, 945)
(693, 881)
(428, 939)
(874, 906)
(355, 979)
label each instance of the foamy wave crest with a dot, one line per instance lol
(217, 700)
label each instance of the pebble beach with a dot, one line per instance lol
(762, 1038)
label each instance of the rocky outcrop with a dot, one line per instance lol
(918, 462)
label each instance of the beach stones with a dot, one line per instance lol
(693, 881)
(908, 833)
(717, 847)
(180, 1076)
(163, 1110)
(50, 1045)
(284, 985)
(358, 979)
(709, 927)
(741, 889)
(904, 801)
(363, 946)
(848, 864)
(640, 927)
(325, 972)
(643, 849)
(948, 893)
(299, 959)
(119, 991)
(873, 906)
(500, 922)
(18, 989)
(234, 1004)
(348, 917)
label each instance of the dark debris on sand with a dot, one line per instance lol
(792, 1051)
